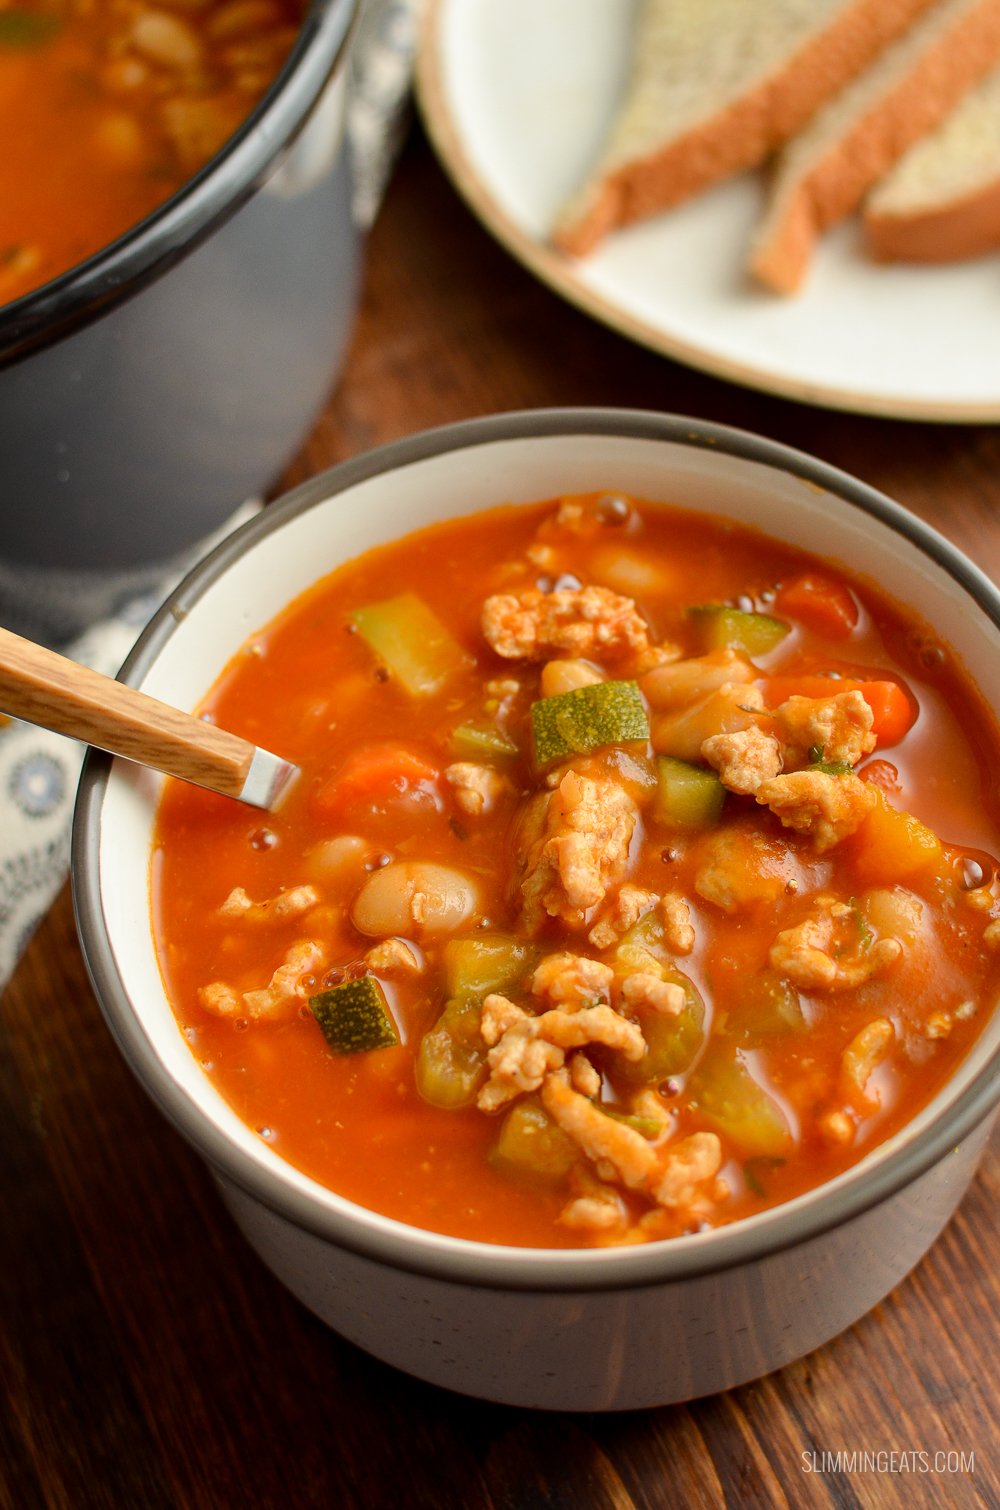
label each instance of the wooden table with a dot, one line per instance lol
(148, 1360)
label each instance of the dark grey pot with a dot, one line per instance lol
(149, 391)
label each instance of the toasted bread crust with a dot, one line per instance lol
(966, 227)
(839, 178)
(742, 134)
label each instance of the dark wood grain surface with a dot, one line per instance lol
(146, 1357)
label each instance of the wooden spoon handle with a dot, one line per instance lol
(59, 694)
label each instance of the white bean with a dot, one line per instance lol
(685, 682)
(566, 676)
(341, 858)
(414, 898)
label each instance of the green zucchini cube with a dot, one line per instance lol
(354, 1016)
(688, 796)
(586, 719)
(407, 635)
(723, 628)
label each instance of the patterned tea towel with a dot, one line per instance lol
(39, 771)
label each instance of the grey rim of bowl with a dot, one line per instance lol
(172, 230)
(384, 1239)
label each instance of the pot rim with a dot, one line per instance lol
(145, 251)
(878, 1177)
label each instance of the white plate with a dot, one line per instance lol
(517, 94)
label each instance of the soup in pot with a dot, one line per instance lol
(108, 106)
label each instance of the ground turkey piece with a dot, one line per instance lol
(581, 621)
(825, 807)
(476, 788)
(601, 1138)
(642, 988)
(582, 850)
(828, 951)
(393, 957)
(287, 904)
(837, 729)
(863, 1054)
(677, 924)
(741, 868)
(280, 998)
(743, 759)
(572, 980)
(631, 903)
(689, 1166)
(526, 1048)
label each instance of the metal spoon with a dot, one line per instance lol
(59, 694)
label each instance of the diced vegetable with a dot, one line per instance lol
(574, 723)
(892, 711)
(354, 1016)
(531, 1144)
(682, 732)
(680, 684)
(672, 1040)
(894, 912)
(688, 796)
(768, 1005)
(892, 846)
(720, 627)
(485, 962)
(647, 933)
(372, 773)
(636, 772)
(824, 604)
(451, 1060)
(409, 637)
(472, 741)
(727, 1095)
(649, 1127)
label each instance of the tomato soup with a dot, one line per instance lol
(108, 108)
(639, 876)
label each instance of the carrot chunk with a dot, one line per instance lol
(378, 770)
(823, 604)
(892, 846)
(892, 710)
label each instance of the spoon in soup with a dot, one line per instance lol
(56, 693)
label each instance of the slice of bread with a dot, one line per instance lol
(824, 172)
(715, 86)
(941, 202)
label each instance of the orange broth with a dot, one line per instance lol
(311, 687)
(108, 109)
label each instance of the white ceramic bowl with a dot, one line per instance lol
(591, 1329)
